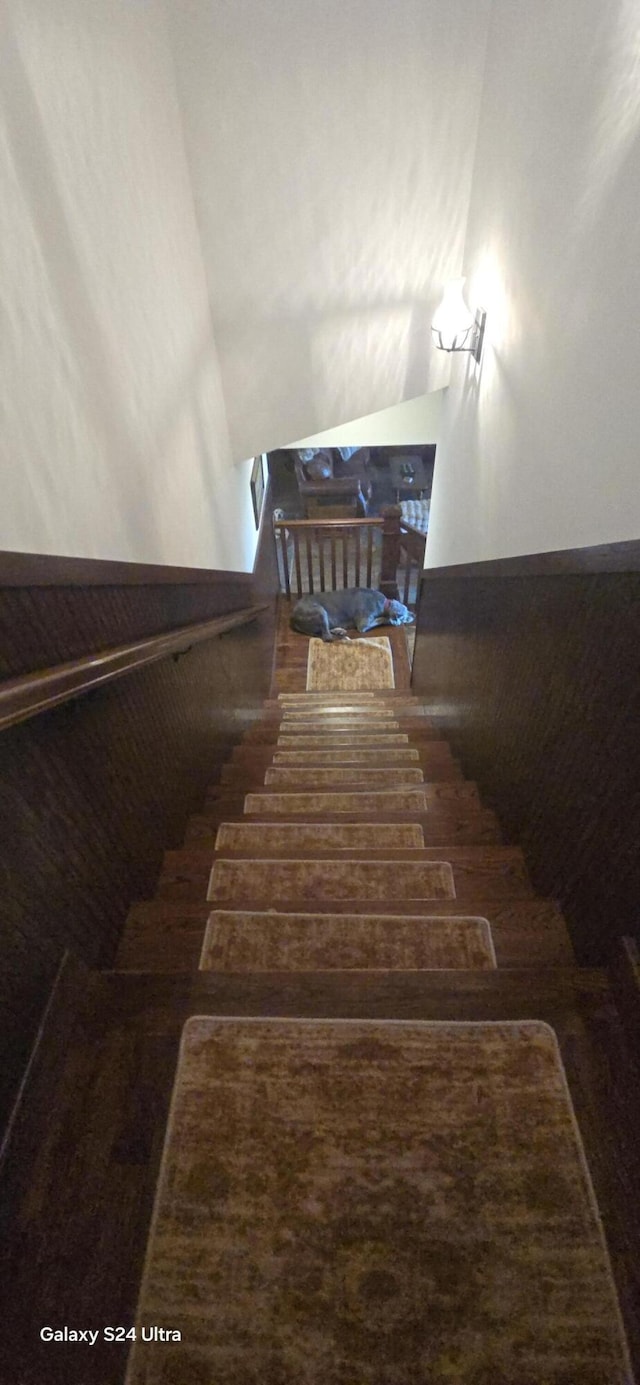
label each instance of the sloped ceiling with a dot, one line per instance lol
(330, 150)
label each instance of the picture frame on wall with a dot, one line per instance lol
(257, 488)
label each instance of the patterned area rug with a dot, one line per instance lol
(326, 942)
(351, 1203)
(350, 665)
(234, 880)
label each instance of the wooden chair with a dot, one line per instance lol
(332, 487)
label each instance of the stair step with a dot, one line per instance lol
(360, 777)
(352, 800)
(454, 828)
(337, 755)
(239, 941)
(351, 718)
(355, 777)
(167, 935)
(435, 752)
(261, 771)
(364, 710)
(273, 730)
(393, 740)
(434, 873)
(328, 702)
(304, 698)
(328, 1162)
(261, 839)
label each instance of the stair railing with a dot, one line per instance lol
(329, 555)
(413, 543)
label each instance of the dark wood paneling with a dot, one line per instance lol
(93, 793)
(50, 570)
(604, 557)
(90, 795)
(266, 582)
(535, 678)
(40, 626)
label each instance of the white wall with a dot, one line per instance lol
(415, 421)
(539, 448)
(114, 436)
(331, 148)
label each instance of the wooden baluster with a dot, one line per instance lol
(407, 577)
(285, 559)
(310, 563)
(332, 537)
(345, 557)
(321, 538)
(369, 553)
(357, 582)
(296, 554)
(390, 561)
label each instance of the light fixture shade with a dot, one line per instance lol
(453, 323)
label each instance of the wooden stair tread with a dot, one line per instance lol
(262, 734)
(436, 753)
(257, 838)
(190, 857)
(266, 799)
(453, 829)
(168, 934)
(438, 812)
(270, 728)
(471, 871)
(358, 777)
(372, 695)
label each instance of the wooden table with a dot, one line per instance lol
(408, 485)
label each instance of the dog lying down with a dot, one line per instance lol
(328, 615)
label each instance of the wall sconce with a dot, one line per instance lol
(454, 326)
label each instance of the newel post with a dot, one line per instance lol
(390, 560)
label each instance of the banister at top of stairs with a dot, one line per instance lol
(303, 542)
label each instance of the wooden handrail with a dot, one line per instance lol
(33, 693)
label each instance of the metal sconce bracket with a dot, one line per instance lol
(476, 349)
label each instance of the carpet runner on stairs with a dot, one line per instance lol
(352, 1201)
(393, 738)
(309, 879)
(395, 801)
(372, 778)
(258, 838)
(237, 941)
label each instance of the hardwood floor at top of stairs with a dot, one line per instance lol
(292, 650)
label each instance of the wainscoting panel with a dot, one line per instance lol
(534, 672)
(93, 793)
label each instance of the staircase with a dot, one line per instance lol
(332, 813)
(341, 866)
